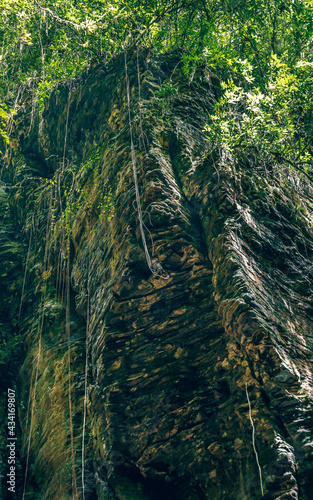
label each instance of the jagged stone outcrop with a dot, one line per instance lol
(180, 370)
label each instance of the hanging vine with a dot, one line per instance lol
(86, 377)
(41, 318)
(154, 266)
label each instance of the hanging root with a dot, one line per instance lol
(253, 441)
(41, 318)
(40, 324)
(26, 268)
(142, 138)
(66, 125)
(86, 376)
(68, 328)
(155, 267)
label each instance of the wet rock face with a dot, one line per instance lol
(199, 377)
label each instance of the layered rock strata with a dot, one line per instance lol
(199, 377)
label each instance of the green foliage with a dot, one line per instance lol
(263, 49)
(265, 128)
(91, 163)
(107, 206)
(47, 41)
(4, 117)
(166, 93)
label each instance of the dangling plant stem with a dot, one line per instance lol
(155, 267)
(26, 427)
(86, 376)
(39, 335)
(26, 268)
(66, 125)
(253, 441)
(68, 330)
(58, 284)
(40, 325)
(142, 136)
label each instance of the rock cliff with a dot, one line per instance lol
(160, 297)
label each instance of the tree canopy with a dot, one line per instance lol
(261, 52)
